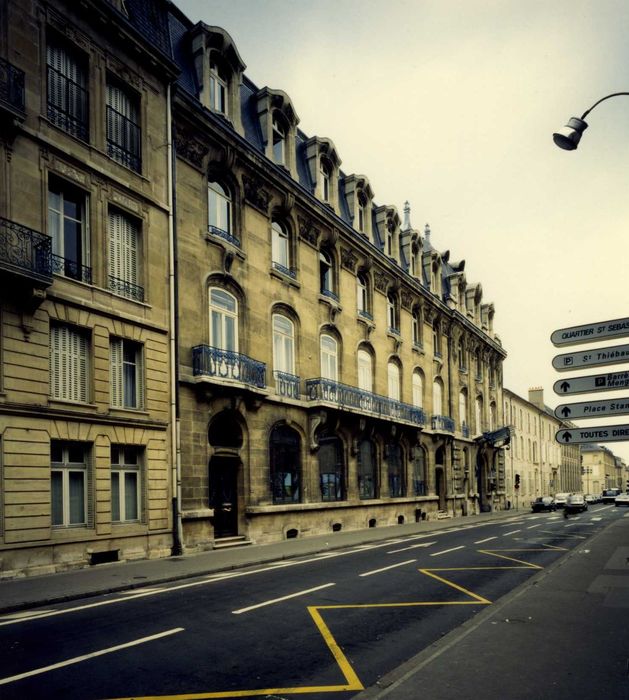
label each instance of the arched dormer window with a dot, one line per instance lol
(388, 224)
(325, 171)
(278, 125)
(359, 196)
(218, 70)
(323, 164)
(361, 210)
(279, 140)
(435, 278)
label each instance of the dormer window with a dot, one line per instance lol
(389, 242)
(362, 210)
(323, 164)
(218, 89)
(325, 181)
(279, 141)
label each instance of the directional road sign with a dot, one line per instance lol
(601, 433)
(591, 358)
(593, 409)
(591, 332)
(593, 382)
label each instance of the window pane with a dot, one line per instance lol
(115, 496)
(56, 496)
(77, 497)
(131, 495)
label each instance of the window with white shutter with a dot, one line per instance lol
(67, 96)
(123, 126)
(69, 358)
(126, 374)
(124, 251)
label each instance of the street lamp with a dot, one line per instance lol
(568, 137)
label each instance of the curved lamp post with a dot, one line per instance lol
(568, 137)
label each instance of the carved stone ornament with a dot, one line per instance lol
(70, 172)
(381, 281)
(308, 232)
(430, 314)
(348, 259)
(407, 300)
(315, 421)
(190, 149)
(255, 194)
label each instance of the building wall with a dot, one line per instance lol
(41, 154)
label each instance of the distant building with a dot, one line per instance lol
(600, 469)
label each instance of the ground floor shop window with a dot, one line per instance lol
(367, 473)
(395, 471)
(331, 469)
(419, 471)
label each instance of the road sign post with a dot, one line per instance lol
(592, 383)
(591, 358)
(600, 433)
(593, 409)
(591, 332)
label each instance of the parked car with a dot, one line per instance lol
(576, 503)
(560, 499)
(590, 499)
(543, 503)
(609, 495)
(622, 499)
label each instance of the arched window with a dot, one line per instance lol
(331, 469)
(218, 89)
(462, 355)
(285, 461)
(395, 470)
(367, 471)
(492, 416)
(418, 389)
(219, 208)
(365, 371)
(393, 376)
(435, 279)
(279, 141)
(463, 409)
(437, 397)
(436, 338)
(362, 295)
(419, 471)
(325, 173)
(280, 248)
(283, 344)
(329, 358)
(479, 364)
(393, 314)
(362, 211)
(417, 328)
(223, 320)
(479, 415)
(326, 274)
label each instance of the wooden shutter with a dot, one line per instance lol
(115, 372)
(139, 375)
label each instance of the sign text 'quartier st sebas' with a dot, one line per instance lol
(600, 433)
(593, 382)
(593, 409)
(591, 332)
(591, 358)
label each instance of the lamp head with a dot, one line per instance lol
(568, 137)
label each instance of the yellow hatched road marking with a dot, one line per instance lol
(353, 683)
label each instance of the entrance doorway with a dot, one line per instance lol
(224, 494)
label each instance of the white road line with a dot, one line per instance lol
(506, 534)
(596, 519)
(412, 546)
(485, 540)
(284, 597)
(85, 657)
(386, 568)
(626, 515)
(445, 551)
(21, 615)
(530, 527)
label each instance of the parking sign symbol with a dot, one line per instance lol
(599, 381)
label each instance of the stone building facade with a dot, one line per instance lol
(336, 369)
(84, 302)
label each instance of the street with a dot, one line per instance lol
(326, 625)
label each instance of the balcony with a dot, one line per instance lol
(227, 365)
(356, 400)
(123, 140)
(225, 235)
(126, 289)
(12, 90)
(288, 271)
(442, 424)
(286, 384)
(71, 269)
(25, 254)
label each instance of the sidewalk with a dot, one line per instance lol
(564, 634)
(20, 593)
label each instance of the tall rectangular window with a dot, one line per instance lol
(125, 483)
(123, 127)
(126, 374)
(69, 363)
(124, 252)
(67, 225)
(67, 96)
(68, 483)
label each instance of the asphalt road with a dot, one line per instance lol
(325, 625)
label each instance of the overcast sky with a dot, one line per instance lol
(451, 105)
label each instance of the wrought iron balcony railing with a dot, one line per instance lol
(287, 384)
(12, 88)
(465, 430)
(216, 231)
(445, 424)
(350, 397)
(67, 104)
(71, 269)
(289, 272)
(365, 314)
(208, 361)
(25, 251)
(329, 294)
(126, 289)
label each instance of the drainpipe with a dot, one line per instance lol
(175, 440)
(450, 414)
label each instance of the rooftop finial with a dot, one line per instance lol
(427, 231)
(407, 216)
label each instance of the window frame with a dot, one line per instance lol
(124, 265)
(69, 362)
(283, 344)
(120, 370)
(225, 316)
(123, 469)
(278, 452)
(364, 366)
(123, 128)
(65, 467)
(220, 207)
(329, 357)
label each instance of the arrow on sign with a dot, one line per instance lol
(566, 411)
(600, 433)
(564, 387)
(566, 436)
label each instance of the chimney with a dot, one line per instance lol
(536, 396)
